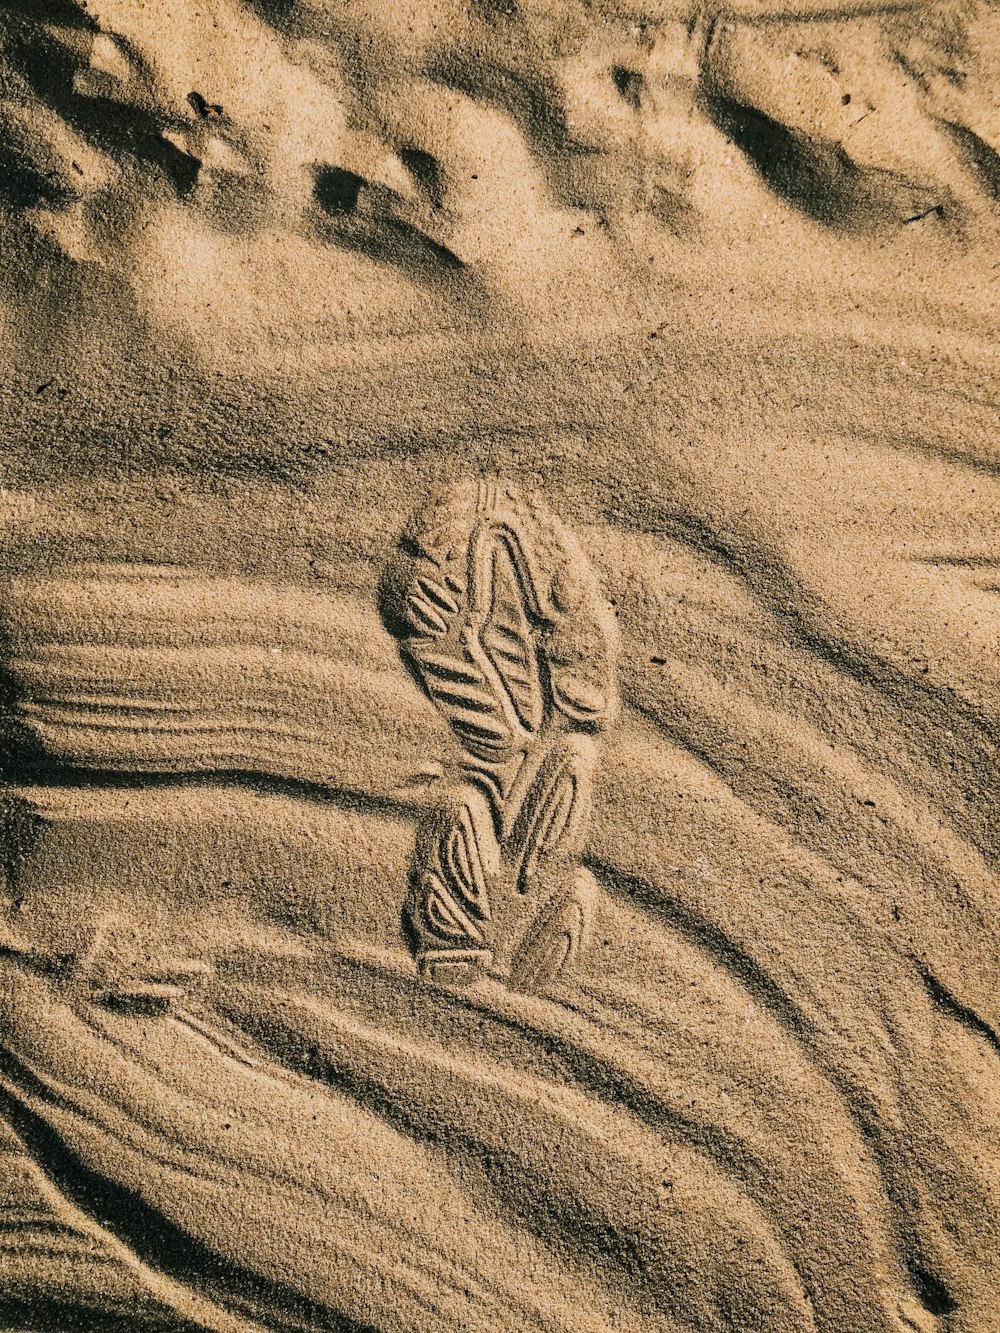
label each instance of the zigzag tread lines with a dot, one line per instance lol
(425, 617)
(464, 863)
(516, 666)
(476, 703)
(450, 669)
(507, 641)
(444, 914)
(435, 593)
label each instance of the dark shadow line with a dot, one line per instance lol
(40, 1226)
(69, 1314)
(708, 938)
(159, 1244)
(42, 772)
(597, 1076)
(959, 561)
(616, 1251)
(63, 12)
(980, 157)
(936, 450)
(885, 1144)
(954, 1008)
(777, 588)
(392, 240)
(829, 14)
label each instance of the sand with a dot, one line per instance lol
(500, 666)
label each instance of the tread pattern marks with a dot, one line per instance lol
(499, 615)
(508, 641)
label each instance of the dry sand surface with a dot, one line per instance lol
(500, 666)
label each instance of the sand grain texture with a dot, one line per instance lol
(718, 286)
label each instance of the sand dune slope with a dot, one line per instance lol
(768, 1100)
(720, 285)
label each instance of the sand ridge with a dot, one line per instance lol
(238, 174)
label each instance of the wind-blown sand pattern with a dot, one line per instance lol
(704, 301)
